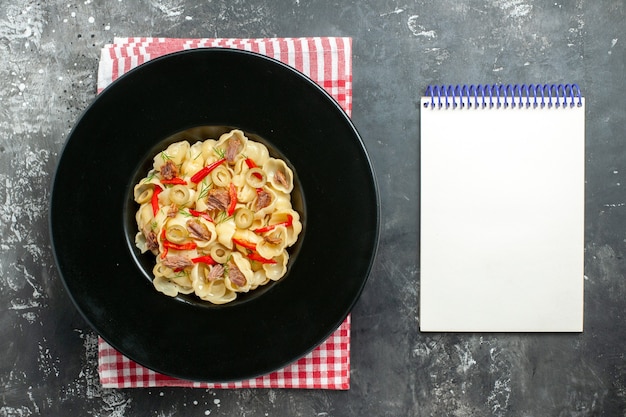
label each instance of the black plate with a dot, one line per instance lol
(90, 201)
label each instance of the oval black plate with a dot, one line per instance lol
(111, 141)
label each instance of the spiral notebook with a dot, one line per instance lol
(502, 173)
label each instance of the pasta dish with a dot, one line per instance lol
(218, 217)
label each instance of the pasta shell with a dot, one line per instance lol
(268, 209)
(258, 279)
(140, 242)
(193, 161)
(245, 193)
(208, 150)
(219, 293)
(233, 145)
(176, 153)
(277, 271)
(169, 287)
(142, 192)
(279, 175)
(144, 216)
(257, 152)
(244, 267)
(273, 242)
(225, 231)
(292, 232)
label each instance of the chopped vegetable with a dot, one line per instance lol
(252, 164)
(171, 245)
(244, 218)
(179, 246)
(196, 213)
(155, 199)
(245, 244)
(269, 227)
(198, 176)
(206, 259)
(174, 181)
(256, 257)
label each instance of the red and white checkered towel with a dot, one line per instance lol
(326, 60)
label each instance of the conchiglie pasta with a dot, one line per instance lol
(219, 293)
(279, 175)
(171, 282)
(176, 153)
(141, 242)
(277, 270)
(212, 290)
(246, 235)
(232, 145)
(246, 194)
(242, 265)
(260, 209)
(258, 279)
(273, 242)
(225, 232)
(239, 167)
(143, 192)
(293, 225)
(217, 215)
(208, 149)
(257, 152)
(165, 286)
(194, 161)
(199, 280)
(283, 201)
(144, 216)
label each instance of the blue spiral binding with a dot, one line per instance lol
(503, 95)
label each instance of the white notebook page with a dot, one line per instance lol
(502, 219)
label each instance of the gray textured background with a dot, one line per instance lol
(48, 58)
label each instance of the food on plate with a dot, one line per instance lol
(218, 217)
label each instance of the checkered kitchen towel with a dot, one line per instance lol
(326, 60)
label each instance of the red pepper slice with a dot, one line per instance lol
(252, 164)
(206, 259)
(232, 193)
(256, 257)
(269, 227)
(179, 246)
(174, 181)
(163, 240)
(245, 244)
(196, 213)
(199, 176)
(155, 199)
